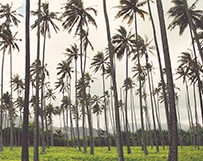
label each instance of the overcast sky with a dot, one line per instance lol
(58, 42)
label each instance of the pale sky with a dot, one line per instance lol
(58, 42)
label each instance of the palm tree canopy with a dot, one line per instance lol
(46, 18)
(128, 8)
(64, 68)
(180, 19)
(75, 13)
(9, 14)
(99, 62)
(72, 52)
(123, 42)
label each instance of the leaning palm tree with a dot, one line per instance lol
(186, 16)
(113, 75)
(76, 15)
(170, 86)
(129, 10)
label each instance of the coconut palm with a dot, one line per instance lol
(9, 17)
(25, 155)
(123, 42)
(113, 75)
(128, 9)
(11, 44)
(46, 20)
(97, 109)
(170, 86)
(99, 63)
(186, 16)
(76, 15)
(73, 53)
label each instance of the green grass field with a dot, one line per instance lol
(102, 154)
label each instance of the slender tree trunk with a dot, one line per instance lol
(173, 150)
(153, 113)
(36, 117)
(163, 84)
(140, 92)
(25, 151)
(11, 105)
(105, 111)
(196, 119)
(113, 75)
(1, 110)
(126, 108)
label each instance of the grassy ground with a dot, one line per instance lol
(102, 154)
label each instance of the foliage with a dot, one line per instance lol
(101, 153)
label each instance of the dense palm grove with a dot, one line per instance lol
(117, 110)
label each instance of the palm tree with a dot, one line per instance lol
(123, 42)
(50, 110)
(36, 111)
(184, 16)
(113, 75)
(129, 10)
(170, 86)
(73, 53)
(10, 17)
(76, 15)
(99, 63)
(46, 20)
(97, 109)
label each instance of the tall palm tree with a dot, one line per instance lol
(76, 15)
(123, 42)
(170, 86)
(73, 53)
(46, 20)
(113, 75)
(10, 17)
(129, 10)
(99, 63)
(36, 111)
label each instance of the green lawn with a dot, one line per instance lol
(102, 154)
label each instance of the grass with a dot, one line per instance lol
(186, 153)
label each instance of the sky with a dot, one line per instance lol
(58, 42)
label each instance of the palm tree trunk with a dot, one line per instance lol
(105, 111)
(196, 119)
(76, 104)
(1, 110)
(153, 113)
(113, 75)
(173, 150)
(11, 106)
(36, 117)
(126, 108)
(140, 92)
(160, 65)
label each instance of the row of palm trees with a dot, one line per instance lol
(77, 17)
